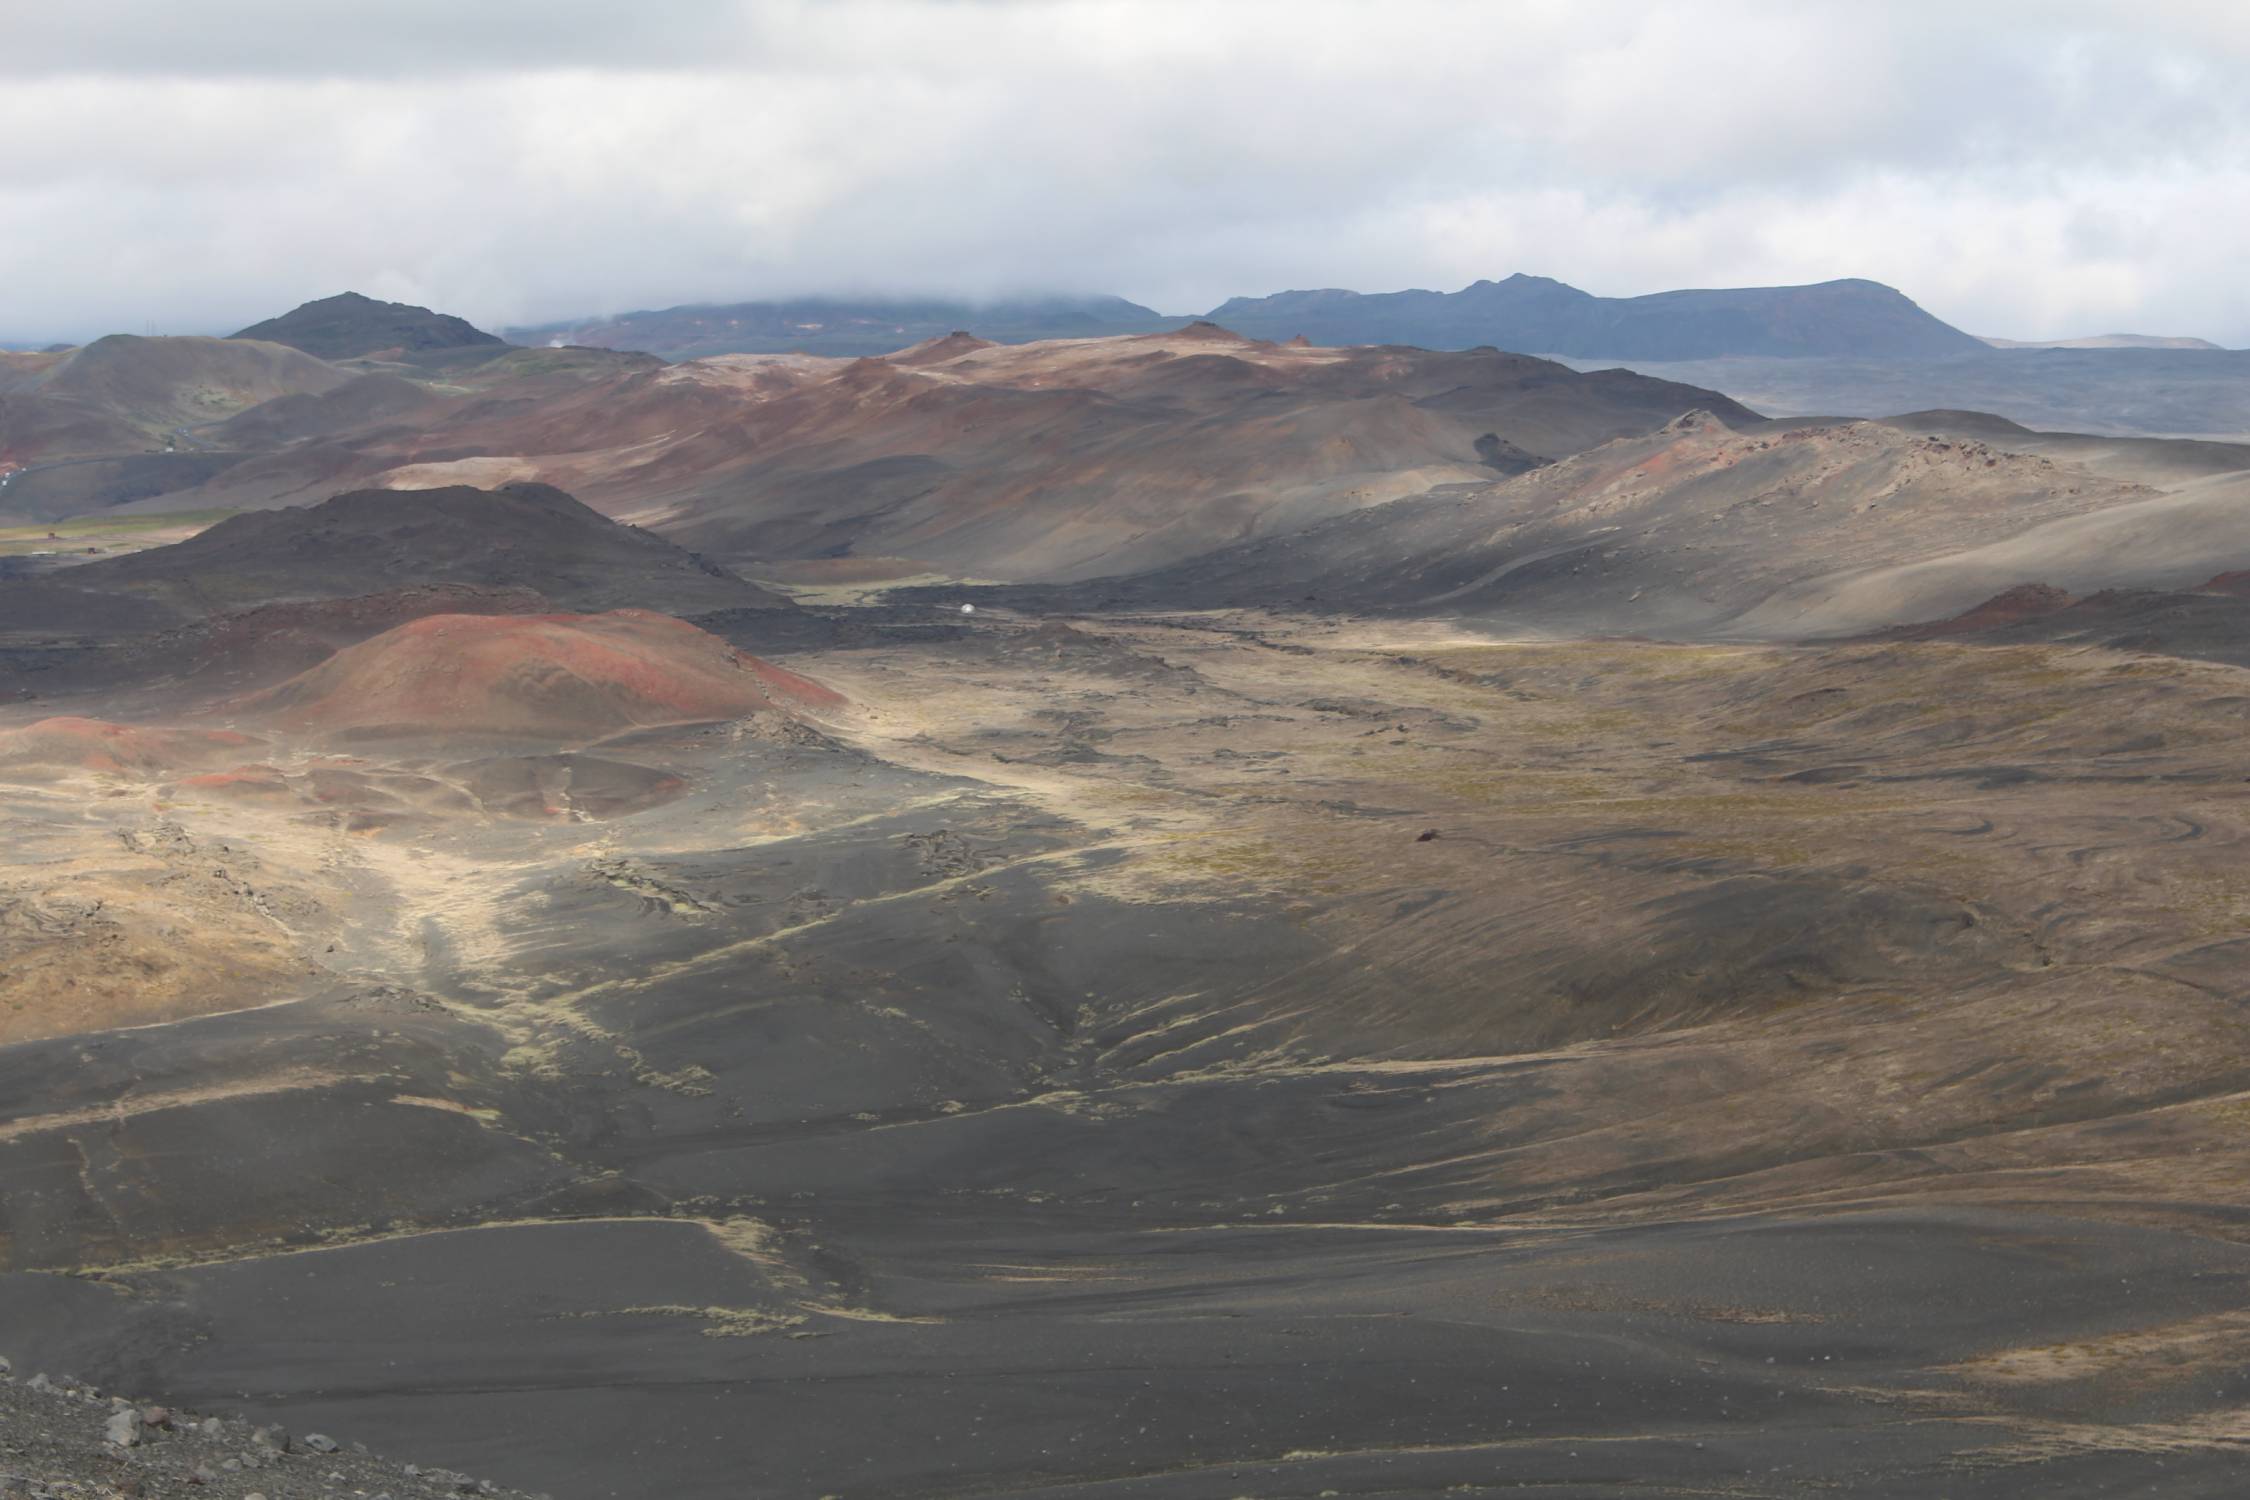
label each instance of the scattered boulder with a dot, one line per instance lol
(60, 1439)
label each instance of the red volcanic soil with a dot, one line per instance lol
(250, 782)
(1204, 328)
(938, 351)
(549, 677)
(257, 647)
(2026, 601)
(2210, 622)
(73, 744)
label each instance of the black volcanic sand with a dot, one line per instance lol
(1076, 1077)
(590, 1358)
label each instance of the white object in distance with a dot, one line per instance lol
(968, 609)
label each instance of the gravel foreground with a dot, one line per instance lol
(63, 1440)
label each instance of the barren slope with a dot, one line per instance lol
(1697, 529)
(157, 384)
(2210, 621)
(376, 541)
(1062, 459)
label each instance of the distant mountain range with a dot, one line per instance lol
(2120, 391)
(1539, 315)
(1851, 319)
(1524, 314)
(827, 325)
(1847, 319)
(2107, 341)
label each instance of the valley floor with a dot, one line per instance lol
(1190, 1056)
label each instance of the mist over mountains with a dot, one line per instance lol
(1537, 314)
(1527, 314)
(837, 325)
(1849, 318)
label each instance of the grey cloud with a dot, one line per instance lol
(2024, 169)
(361, 38)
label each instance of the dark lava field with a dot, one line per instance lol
(1173, 1055)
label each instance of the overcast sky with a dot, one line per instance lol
(2032, 170)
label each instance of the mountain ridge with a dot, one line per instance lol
(1540, 315)
(1522, 313)
(843, 325)
(2111, 341)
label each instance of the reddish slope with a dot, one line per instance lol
(59, 745)
(2026, 601)
(35, 430)
(561, 678)
(2210, 621)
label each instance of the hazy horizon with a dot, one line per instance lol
(849, 296)
(2024, 171)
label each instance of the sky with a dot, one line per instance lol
(2031, 170)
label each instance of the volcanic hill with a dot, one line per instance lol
(350, 326)
(525, 536)
(125, 394)
(565, 679)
